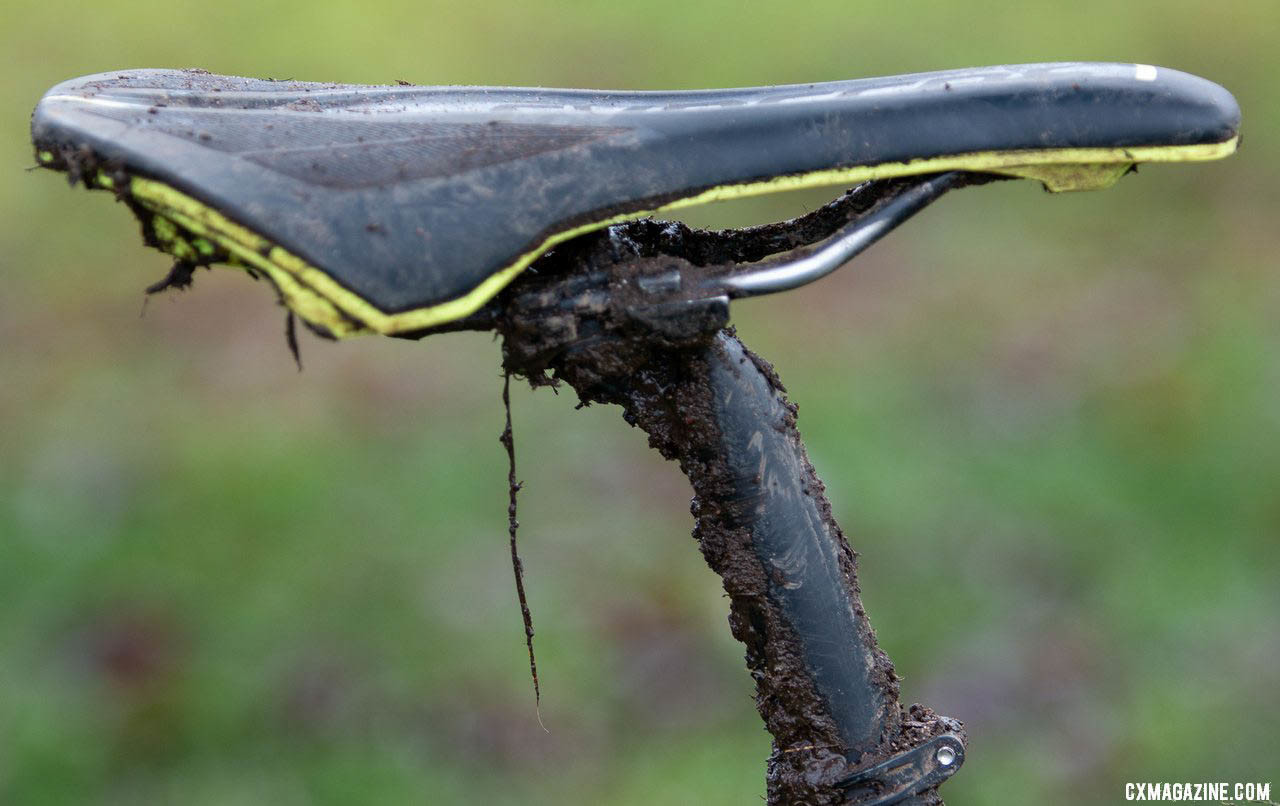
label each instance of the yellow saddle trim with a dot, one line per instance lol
(322, 301)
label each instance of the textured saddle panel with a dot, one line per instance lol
(404, 206)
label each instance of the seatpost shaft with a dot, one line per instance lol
(778, 500)
(825, 690)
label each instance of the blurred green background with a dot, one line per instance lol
(1049, 423)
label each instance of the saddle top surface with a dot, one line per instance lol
(395, 208)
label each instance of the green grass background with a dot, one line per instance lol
(1049, 423)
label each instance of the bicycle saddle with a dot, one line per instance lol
(397, 208)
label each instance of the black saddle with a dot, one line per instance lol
(398, 208)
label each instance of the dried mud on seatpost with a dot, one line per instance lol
(673, 384)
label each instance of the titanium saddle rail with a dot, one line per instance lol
(412, 210)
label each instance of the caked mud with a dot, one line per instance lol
(589, 335)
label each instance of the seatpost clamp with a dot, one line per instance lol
(906, 774)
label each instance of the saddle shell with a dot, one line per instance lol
(396, 208)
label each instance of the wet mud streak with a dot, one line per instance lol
(291, 338)
(513, 525)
